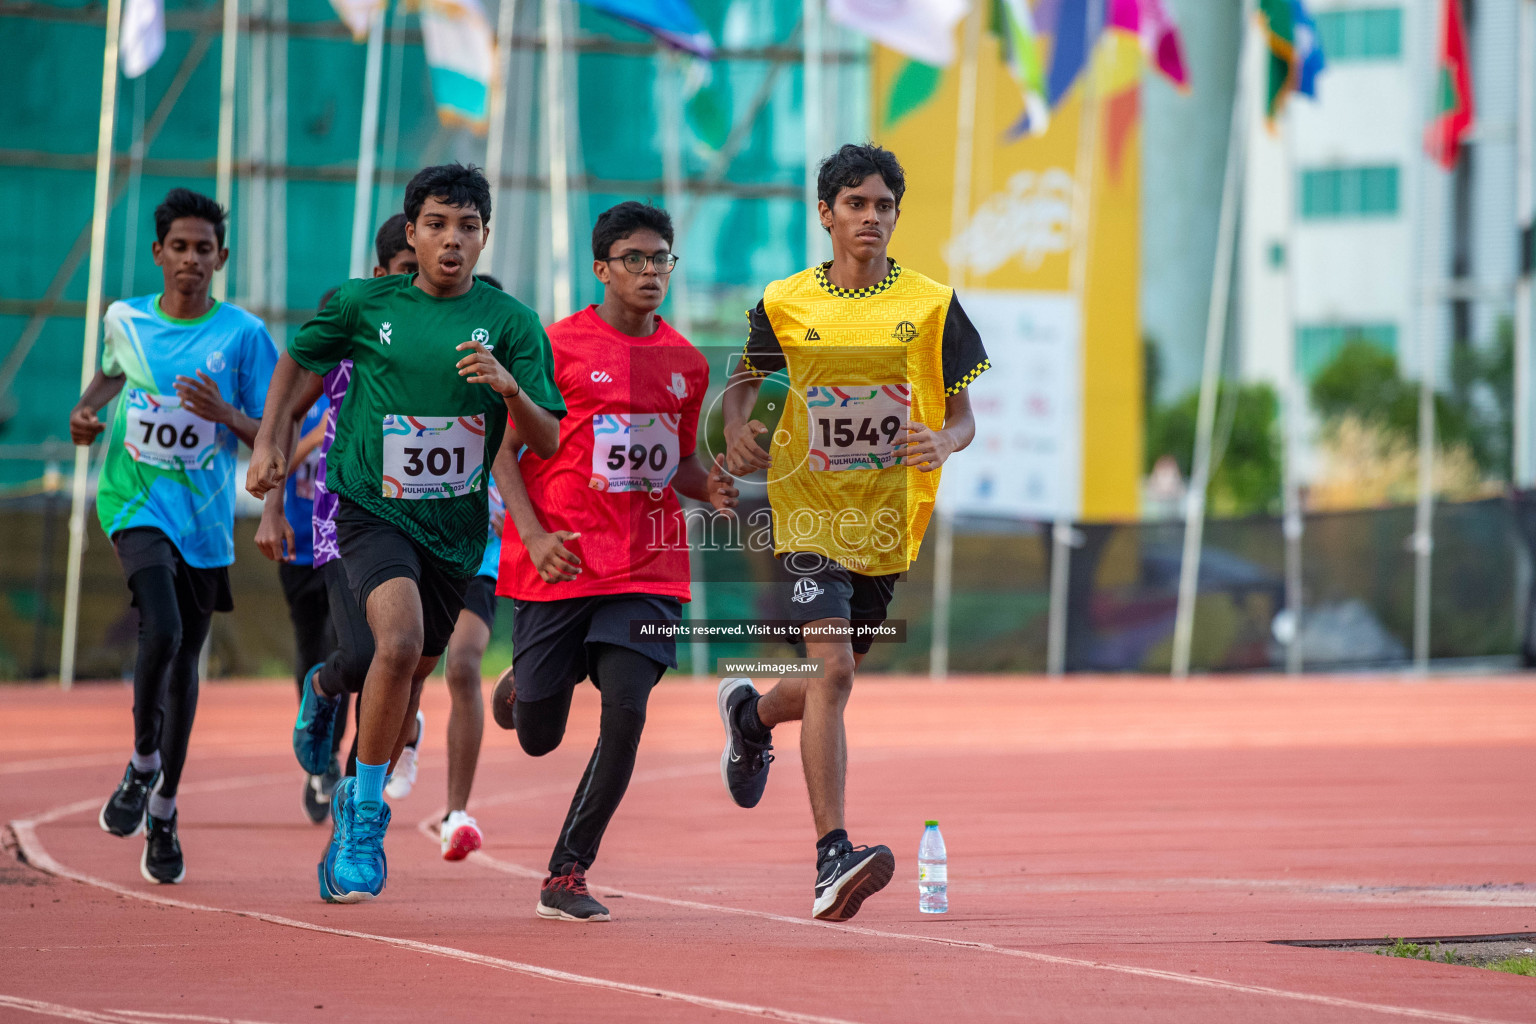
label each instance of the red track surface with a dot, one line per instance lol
(1119, 850)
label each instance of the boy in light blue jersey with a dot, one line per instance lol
(166, 495)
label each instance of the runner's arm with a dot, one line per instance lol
(293, 390)
(713, 485)
(552, 560)
(309, 442)
(83, 424)
(742, 452)
(927, 449)
(200, 395)
(539, 428)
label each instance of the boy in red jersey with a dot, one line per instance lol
(626, 451)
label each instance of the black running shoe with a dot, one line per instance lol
(503, 697)
(743, 764)
(162, 852)
(123, 813)
(564, 897)
(317, 793)
(847, 875)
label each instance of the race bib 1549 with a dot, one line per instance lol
(433, 456)
(164, 435)
(857, 426)
(638, 452)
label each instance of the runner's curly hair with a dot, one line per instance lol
(183, 202)
(453, 184)
(851, 164)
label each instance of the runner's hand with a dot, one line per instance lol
(721, 486)
(554, 561)
(925, 448)
(83, 425)
(275, 538)
(200, 396)
(268, 469)
(482, 367)
(742, 452)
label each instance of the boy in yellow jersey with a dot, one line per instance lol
(879, 358)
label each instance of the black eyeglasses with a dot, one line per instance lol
(635, 262)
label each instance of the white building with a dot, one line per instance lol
(1348, 229)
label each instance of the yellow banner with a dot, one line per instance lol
(1060, 420)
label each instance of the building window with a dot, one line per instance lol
(1365, 33)
(1318, 344)
(1348, 192)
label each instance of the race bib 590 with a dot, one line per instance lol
(164, 435)
(857, 426)
(433, 456)
(638, 452)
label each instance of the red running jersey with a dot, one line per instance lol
(632, 417)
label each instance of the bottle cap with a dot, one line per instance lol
(930, 824)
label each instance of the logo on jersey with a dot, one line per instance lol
(811, 335)
(215, 362)
(904, 332)
(679, 386)
(807, 590)
(601, 377)
(481, 335)
(384, 330)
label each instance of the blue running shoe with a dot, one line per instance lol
(355, 868)
(316, 723)
(341, 798)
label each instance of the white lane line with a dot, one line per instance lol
(34, 853)
(41, 1008)
(509, 868)
(152, 1015)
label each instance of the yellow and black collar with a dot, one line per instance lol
(856, 293)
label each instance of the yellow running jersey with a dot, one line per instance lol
(861, 363)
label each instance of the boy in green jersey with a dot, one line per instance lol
(439, 362)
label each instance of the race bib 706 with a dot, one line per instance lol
(162, 434)
(857, 426)
(433, 456)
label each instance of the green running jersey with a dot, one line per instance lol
(414, 440)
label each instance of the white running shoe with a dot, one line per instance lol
(404, 776)
(460, 835)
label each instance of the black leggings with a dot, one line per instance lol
(172, 628)
(309, 609)
(625, 678)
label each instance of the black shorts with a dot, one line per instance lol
(480, 598)
(374, 552)
(140, 547)
(550, 639)
(812, 587)
(302, 584)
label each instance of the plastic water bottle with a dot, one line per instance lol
(932, 871)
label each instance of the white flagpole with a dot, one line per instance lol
(557, 159)
(1525, 214)
(224, 186)
(368, 144)
(496, 130)
(1293, 521)
(277, 184)
(1210, 375)
(92, 335)
(811, 64)
(959, 216)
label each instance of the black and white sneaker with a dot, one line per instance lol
(123, 813)
(847, 875)
(162, 852)
(317, 793)
(743, 763)
(564, 897)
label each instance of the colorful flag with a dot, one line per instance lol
(1074, 41)
(922, 29)
(461, 59)
(1453, 93)
(1279, 20)
(357, 15)
(1309, 51)
(143, 36)
(1015, 27)
(673, 22)
(1150, 23)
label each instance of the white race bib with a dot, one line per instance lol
(164, 435)
(433, 456)
(638, 452)
(305, 474)
(857, 426)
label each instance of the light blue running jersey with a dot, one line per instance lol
(165, 467)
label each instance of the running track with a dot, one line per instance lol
(1119, 850)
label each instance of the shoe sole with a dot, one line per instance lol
(463, 842)
(725, 755)
(101, 819)
(556, 914)
(330, 895)
(144, 870)
(872, 875)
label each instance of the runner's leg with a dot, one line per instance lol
(541, 723)
(391, 691)
(818, 703)
(466, 717)
(154, 595)
(180, 698)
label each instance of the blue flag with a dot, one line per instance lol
(1309, 51)
(1071, 47)
(671, 21)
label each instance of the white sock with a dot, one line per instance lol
(161, 807)
(146, 762)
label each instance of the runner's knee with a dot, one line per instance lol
(541, 723)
